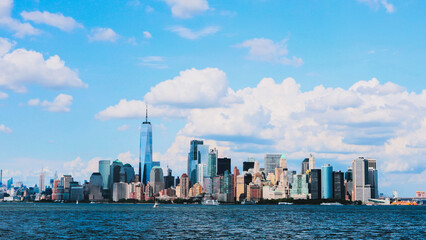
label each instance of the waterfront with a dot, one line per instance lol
(141, 221)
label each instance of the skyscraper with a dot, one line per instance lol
(247, 165)
(223, 164)
(130, 173)
(361, 186)
(311, 162)
(305, 166)
(326, 181)
(272, 161)
(42, 181)
(315, 183)
(157, 179)
(194, 158)
(145, 150)
(184, 186)
(212, 164)
(105, 170)
(169, 180)
(338, 185)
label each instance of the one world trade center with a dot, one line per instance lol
(145, 150)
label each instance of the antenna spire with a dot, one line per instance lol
(146, 114)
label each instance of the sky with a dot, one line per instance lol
(336, 79)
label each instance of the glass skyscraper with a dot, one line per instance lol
(326, 182)
(212, 164)
(145, 151)
(194, 158)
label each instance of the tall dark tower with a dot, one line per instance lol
(145, 150)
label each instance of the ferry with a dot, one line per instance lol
(285, 203)
(404, 203)
(210, 202)
(251, 202)
(155, 205)
(331, 204)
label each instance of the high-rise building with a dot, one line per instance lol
(95, 187)
(373, 181)
(117, 173)
(247, 165)
(326, 181)
(283, 161)
(42, 181)
(194, 158)
(212, 164)
(157, 179)
(223, 164)
(129, 173)
(201, 172)
(300, 186)
(311, 162)
(145, 150)
(104, 170)
(272, 161)
(184, 186)
(235, 173)
(315, 183)
(9, 183)
(305, 165)
(338, 185)
(1, 178)
(169, 180)
(361, 186)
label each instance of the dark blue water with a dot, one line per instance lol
(140, 221)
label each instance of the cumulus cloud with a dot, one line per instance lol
(147, 35)
(190, 34)
(5, 129)
(57, 20)
(6, 21)
(61, 103)
(192, 88)
(21, 67)
(266, 50)
(102, 34)
(187, 8)
(375, 4)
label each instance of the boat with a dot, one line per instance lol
(331, 204)
(155, 205)
(76, 202)
(405, 203)
(285, 203)
(245, 202)
(210, 202)
(92, 202)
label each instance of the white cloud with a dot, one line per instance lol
(149, 9)
(135, 109)
(57, 20)
(190, 34)
(123, 128)
(192, 88)
(147, 35)
(156, 62)
(5, 129)
(102, 34)
(375, 4)
(266, 50)
(187, 8)
(25, 67)
(20, 29)
(61, 103)
(5, 45)
(3, 95)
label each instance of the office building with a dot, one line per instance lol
(184, 186)
(145, 150)
(311, 162)
(338, 185)
(129, 172)
(315, 183)
(201, 173)
(194, 159)
(169, 180)
(361, 186)
(305, 166)
(327, 182)
(157, 179)
(272, 161)
(42, 183)
(117, 173)
(212, 164)
(300, 186)
(247, 165)
(95, 187)
(105, 170)
(223, 164)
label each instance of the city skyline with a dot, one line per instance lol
(337, 80)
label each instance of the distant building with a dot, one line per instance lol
(311, 162)
(420, 194)
(145, 150)
(95, 187)
(212, 163)
(361, 186)
(201, 173)
(193, 160)
(305, 166)
(42, 181)
(223, 164)
(235, 174)
(184, 186)
(315, 183)
(338, 185)
(300, 187)
(104, 170)
(247, 165)
(129, 172)
(327, 182)
(272, 161)
(177, 181)
(157, 179)
(117, 173)
(169, 180)
(120, 191)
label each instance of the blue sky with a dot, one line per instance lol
(339, 79)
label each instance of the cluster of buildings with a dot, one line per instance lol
(208, 176)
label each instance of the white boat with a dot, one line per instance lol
(210, 202)
(245, 202)
(331, 204)
(76, 202)
(92, 202)
(155, 205)
(285, 203)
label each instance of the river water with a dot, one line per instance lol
(142, 221)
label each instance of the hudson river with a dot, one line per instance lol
(142, 221)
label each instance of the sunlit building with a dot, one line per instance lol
(326, 182)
